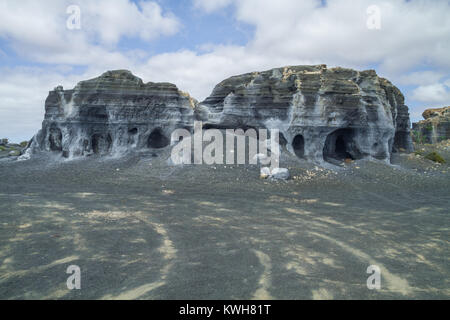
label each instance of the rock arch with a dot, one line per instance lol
(340, 145)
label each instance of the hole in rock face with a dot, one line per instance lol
(133, 131)
(340, 145)
(298, 144)
(157, 140)
(55, 139)
(400, 141)
(101, 144)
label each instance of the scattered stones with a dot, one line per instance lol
(14, 153)
(264, 173)
(348, 161)
(275, 173)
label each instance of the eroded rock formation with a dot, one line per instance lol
(113, 113)
(435, 127)
(322, 113)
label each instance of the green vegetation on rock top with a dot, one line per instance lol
(434, 156)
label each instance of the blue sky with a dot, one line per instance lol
(197, 43)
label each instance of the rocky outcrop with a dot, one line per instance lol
(435, 127)
(322, 113)
(113, 114)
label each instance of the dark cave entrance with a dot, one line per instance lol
(340, 145)
(157, 140)
(55, 139)
(298, 144)
(400, 141)
(100, 144)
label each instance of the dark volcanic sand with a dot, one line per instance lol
(195, 232)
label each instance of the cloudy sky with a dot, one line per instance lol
(197, 43)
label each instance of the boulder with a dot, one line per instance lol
(264, 173)
(280, 174)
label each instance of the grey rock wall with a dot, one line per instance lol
(113, 113)
(322, 114)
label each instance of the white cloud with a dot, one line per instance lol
(437, 93)
(38, 31)
(421, 78)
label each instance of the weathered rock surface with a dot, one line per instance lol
(321, 113)
(435, 127)
(113, 113)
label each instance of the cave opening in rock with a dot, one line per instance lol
(157, 140)
(133, 131)
(100, 144)
(340, 145)
(400, 141)
(55, 139)
(298, 144)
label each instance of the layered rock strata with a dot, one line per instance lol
(322, 113)
(435, 127)
(113, 113)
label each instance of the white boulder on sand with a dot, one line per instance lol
(280, 174)
(276, 173)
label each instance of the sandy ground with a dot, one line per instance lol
(140, 229)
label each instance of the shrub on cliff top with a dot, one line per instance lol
(434, 156)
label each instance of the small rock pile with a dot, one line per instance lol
(11, 150)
